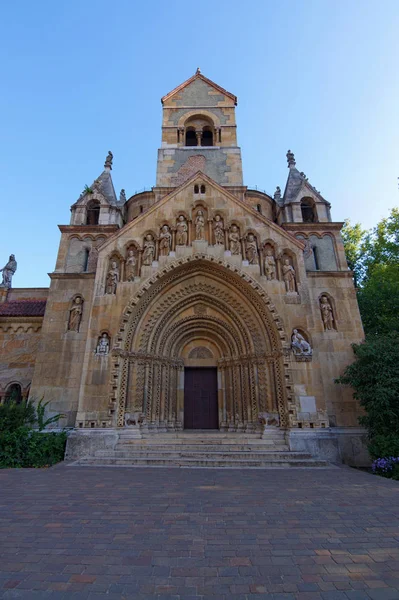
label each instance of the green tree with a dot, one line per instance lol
(374, 377)
(354, 238)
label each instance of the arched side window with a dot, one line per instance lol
(13, 394)
(93, 213)
(308, 210)
(207, 137)
(196, 189)
(202, 189)
(259, 208)
(191, 137)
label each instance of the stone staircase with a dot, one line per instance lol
(201, 449)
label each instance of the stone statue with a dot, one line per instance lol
(291, 159)
(75, 314)
(234, 240)
(218, 231)
(299, 345)
(270, 265)
(181, 231)
(102, 348)
(277, 194)
(165, 241)
(326, 313)
(8, 271)
(251, 249)
(149, 250)
(289, 276)
(199, 225)
(122, 196)
(108, 160)
(112, 279)
(130, 265)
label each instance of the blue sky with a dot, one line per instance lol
(79, 78)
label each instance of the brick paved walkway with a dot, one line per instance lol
(113, 533)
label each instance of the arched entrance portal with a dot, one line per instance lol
(200, 315)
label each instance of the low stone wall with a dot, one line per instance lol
(84, 443)
(338, 445)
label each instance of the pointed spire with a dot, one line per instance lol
(290, 159)
(108, 160)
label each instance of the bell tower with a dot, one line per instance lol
(199, 134)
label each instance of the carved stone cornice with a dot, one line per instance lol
(88, 228)
(319, 226)
(347, 273)
(56, 275)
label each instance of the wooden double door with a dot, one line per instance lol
(200, 398)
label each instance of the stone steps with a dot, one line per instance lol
(231, 462)
(202, 449)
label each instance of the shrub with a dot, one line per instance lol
(387, 467)
(23, 446)
(13, 415)
(384, 446)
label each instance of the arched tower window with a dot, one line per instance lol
(203, 189)
(207, 137)
(308, 210)
(196, 189)
(13, 394)
(191, 138)
(259, 208)
(93, 213)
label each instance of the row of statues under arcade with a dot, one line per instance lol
(271, 265)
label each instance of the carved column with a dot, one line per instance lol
(189, 227)
(139, 391)
(210, 240)
(139, 263)
(156, 249)
(198, 133)
(173, 239)
(226, 239)
(244, 254)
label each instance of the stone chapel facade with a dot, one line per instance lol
(200, 304)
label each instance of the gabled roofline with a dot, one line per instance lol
(199, 75)
(222, 190)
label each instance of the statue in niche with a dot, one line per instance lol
(130, 265)
(251, 249)
(8, 271)
(102, 348)
(234, 240)
(181, 231)
(165, 241)
(327, 313)
(199, 225)
(299, 345)
(289, 276)
(270, 265)
(75, 314)
(218, 231)
(149, 250)
(112, 278)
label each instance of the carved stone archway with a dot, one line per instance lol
(199, 299)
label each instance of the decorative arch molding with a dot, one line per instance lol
(161, 318)
(187, 116)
